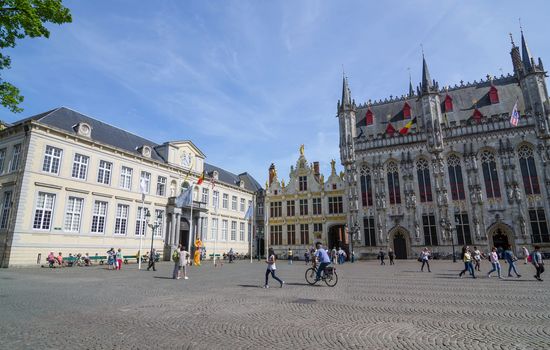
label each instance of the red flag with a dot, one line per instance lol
(390, 129)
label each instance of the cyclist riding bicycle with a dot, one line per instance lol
(322, 257)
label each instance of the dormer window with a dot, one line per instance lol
(215, 175)
(493, 95)
(477, 116)
(448, 103)
(145, 151)
(369, 117)
(406, 111)
(83, 129)
(241, 183)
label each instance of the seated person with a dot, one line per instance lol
(51, 259)
(60, 259)
(87, 260)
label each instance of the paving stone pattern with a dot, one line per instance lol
(372, 307)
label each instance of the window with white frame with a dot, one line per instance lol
(241, 231)
(126, 178)
(233, 202)
(161, 186)
(73, 214)
(243, 204)
(16, 157)
(146, 177)
(216, 199)
(99, 216)
(52, 159)
(224, 230)
(104, 172)
(225, 201)
(214, 229)
(2, 159)
(43, 211)
(80, 166)
(140, 221)
(6, 207)
(204, 195)
(121, 220)
(204, 228)
(159, 217)
(233, 230)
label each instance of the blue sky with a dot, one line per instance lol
(249, 81)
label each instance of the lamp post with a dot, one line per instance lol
(153, 227)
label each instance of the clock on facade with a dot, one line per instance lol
(186, 159)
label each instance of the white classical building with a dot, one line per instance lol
(70, 183)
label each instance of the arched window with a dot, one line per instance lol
(490, 174)
(393, 183)
(455, 178)
(528, 170)
(366, 186)
(424, 183)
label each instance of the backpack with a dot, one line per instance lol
(175, 256)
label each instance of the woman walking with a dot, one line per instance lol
(271, 267)
(493, 257)
(119, 259)
(425, 257)
(511, 260)
(391, 255)
(468, 266)
(477, 259)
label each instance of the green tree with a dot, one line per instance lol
(19, 19)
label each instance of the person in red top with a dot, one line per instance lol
(60, 259)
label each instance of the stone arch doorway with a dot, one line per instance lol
(337, 238)
(400, 242)
(184, 232)
(500, 236)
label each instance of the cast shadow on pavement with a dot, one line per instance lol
(164, 278)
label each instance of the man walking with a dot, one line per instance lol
(152, 260)
(391, 255)
(289, 256)
(536, 259)
(381, 256)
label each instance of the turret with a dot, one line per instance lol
(272, 174)
(516, 59)
(427, 86)
(347, 121)
(431, 109)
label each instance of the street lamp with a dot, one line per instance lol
(153, 227)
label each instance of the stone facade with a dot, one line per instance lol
(306, 210)
(73, 184)
(444, 167)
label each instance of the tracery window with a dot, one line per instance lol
(393, 183)
(490, 174)
(424, 183)
(366, 185)
(455, 178)
(528, 170)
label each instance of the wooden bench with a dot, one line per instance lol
(100, 258)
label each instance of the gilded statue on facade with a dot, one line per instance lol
(302, 150)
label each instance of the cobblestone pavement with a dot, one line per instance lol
(372, 307)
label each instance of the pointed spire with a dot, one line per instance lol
(346, 102)
(411, 90)
(525, 53)
(427, 85)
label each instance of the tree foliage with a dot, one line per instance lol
(20, 19)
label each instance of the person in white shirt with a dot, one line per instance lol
(525, 254)
(493, 256)
(271, 267)
(183, 262)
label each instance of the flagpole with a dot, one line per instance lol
(217, 225)
(252, 225)
(190, 222)
(141, 234)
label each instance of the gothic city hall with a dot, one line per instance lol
(447, 166)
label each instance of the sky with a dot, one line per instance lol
(250, 81)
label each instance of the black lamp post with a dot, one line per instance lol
(153, 227)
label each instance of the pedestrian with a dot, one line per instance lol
(152, 260)
(341, 256)
(381, 256)
(511, 260)
(119, 257)
(111, 259)
(230, 255)
(176, 261)
(391, 255)
(183, 262)
(271, 268)
(425, 257)
(321, 256)
(289, 256)
(306, 256)
(334, 255)
(493, 257)
(467, 259)
(525, 254)
(477, 259)
(536, 259)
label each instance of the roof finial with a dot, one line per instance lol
(411, 90)
(422, 49)
(512, 39)
(520, 26)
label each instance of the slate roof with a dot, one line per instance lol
(229, 178)
(463, 105)
(65, 118)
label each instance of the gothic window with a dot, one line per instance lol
(291, 234)
(393, 183)
(464, 236)
(369, 117)
(276, 234)
(368, 227)
(406, 111)
(539, 226)
(528, 170)
(430, 231)
(493, 95)
(490, 175)
(448, 104)
(366, 186)
(455, 178)
(424, 183)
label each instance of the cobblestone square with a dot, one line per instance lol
(372, 307)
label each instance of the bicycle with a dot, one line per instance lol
(329, 276)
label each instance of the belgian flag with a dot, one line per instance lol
(201, 178)
(407, 127)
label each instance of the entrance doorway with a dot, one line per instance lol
(400, 245)
(337, 238)
(500, 241)
(184, 233)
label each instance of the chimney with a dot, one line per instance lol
(316, 172)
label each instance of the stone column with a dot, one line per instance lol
(176, 230)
